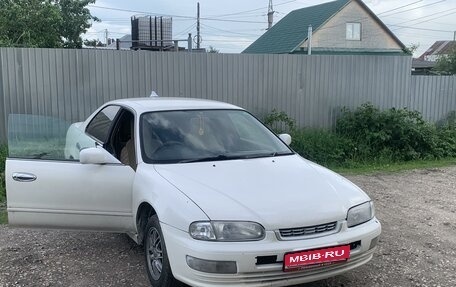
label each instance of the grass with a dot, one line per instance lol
(2, 188)
(3, 216)
(371, 168)
(3, 213)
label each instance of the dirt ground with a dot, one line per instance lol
(417, 246)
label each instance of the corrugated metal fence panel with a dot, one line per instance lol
(434, 97)
(70, 84)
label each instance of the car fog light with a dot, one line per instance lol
(210, 266)
(373, 243)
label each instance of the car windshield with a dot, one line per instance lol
(206, 135)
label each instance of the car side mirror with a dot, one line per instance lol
(96, 155)
(286, 138)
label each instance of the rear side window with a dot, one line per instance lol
(101, 124)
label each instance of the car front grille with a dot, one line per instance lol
(311, 231)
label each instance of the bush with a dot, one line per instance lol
(322, 146)
(3, 155)
(280, 122)
(368, 135)
(398, 134)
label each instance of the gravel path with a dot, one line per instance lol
(417, 247)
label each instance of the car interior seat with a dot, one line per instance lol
(127, 154)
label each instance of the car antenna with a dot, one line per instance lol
(153, 94)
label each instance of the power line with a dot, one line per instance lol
(210, 18)
(142, 12)
(395, 9)
(226, 31)
(175, 16)
(231, 41)
(430, 4)
(400, 27)
(419, 18)
(237, 37)
(186, 30)
(384, 12)
(123, 20)
(400, 7)
(428, 20)
(252, 10)
(244, 16)
(422, 29)
(422, 35)
(232, 20)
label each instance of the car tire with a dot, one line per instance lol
(157, 262)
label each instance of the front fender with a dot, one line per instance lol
(172, 206)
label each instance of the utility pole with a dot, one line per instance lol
(454, 38)
(309, 40)
(270, 15)
(198, 35)
(106, 37)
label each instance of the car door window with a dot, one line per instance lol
(101, 124)
(121, 144)
(45, 138)
(36, 137)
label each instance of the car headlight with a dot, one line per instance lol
(360, 214)
(226, 230)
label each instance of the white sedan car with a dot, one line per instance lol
(214, 196)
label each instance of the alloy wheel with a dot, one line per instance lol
(154, 253)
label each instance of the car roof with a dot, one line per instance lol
(149, 104)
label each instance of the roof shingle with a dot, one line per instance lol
(439, 48)
(289, 32)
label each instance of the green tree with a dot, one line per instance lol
(412, 48)
(446, 65)
(76, 21)
(44, 23)
(29, 23)
(93, 43)
(211, 49)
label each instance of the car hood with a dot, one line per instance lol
(278, 192)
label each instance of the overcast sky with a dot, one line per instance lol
(231, 26)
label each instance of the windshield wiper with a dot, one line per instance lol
(267, 154)
(229, 157)
(211, 158)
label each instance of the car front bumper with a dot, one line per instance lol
(179, 244)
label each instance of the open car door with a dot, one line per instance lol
(46, 189)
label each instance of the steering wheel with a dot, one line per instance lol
(168, 144)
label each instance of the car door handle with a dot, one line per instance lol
(24, 177)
